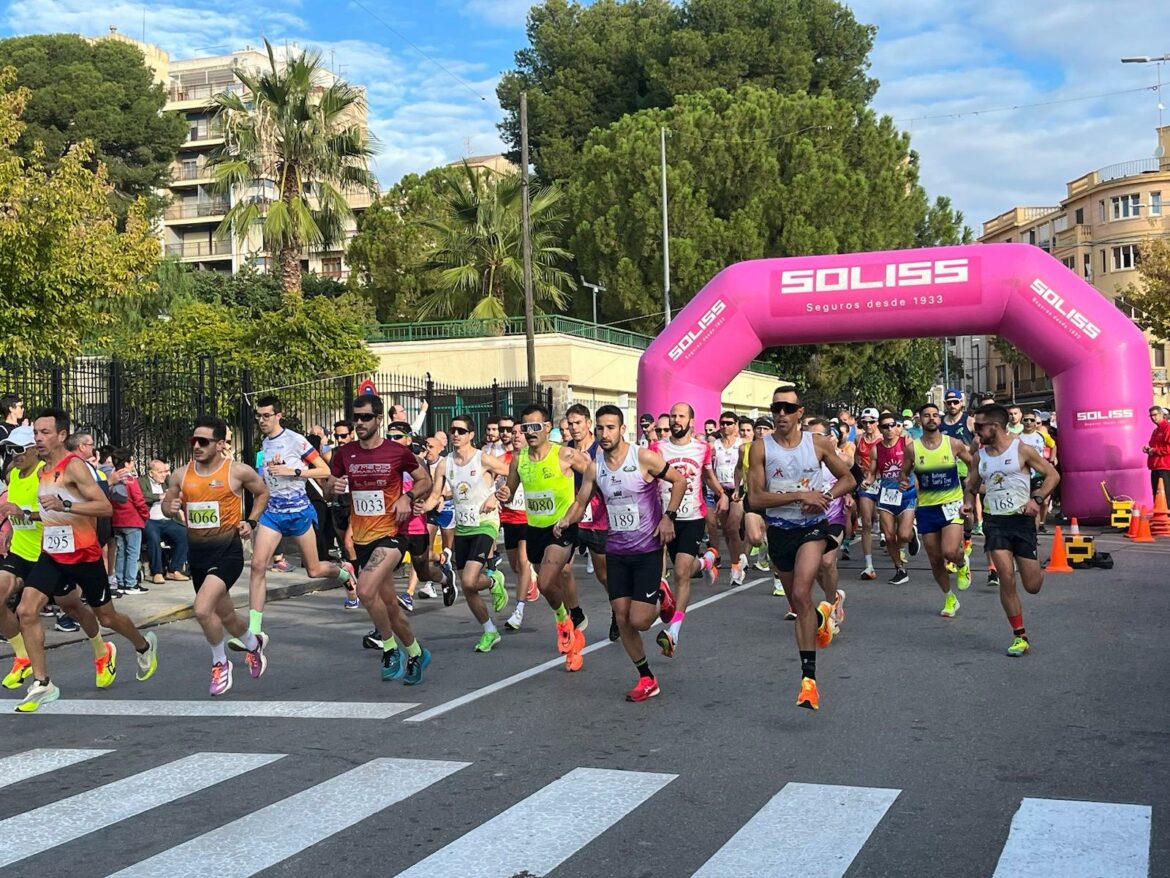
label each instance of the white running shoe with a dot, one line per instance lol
(589, 564)
(516, 619)
(427, 590)
(737, 575)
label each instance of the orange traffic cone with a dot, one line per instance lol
(1160, 520)
(1074, 529)
(1135, 520)
(1144, 535)
(1058, 562)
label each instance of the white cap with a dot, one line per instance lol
(21, 437)
(869, 413)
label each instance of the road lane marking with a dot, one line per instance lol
(285, 828)
(553, 823)
(22, 766)
(492, 688)
(1056, 838)
(41, 829)
(260, 709)
(814, 830)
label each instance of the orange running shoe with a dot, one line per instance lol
(808, 697)
(574, 660)
(565, 637)
(667, 606)
(825, 626)
(533, 590)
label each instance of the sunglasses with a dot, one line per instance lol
(201, 441)
(661, 430)
(397, 436)
(459, 431)
(886, 426)
(365, 417)
(868, 421)
(788, 408)
(954, 402)
(531, 427)
(727, 423)
(340, 435)
(1029, 420)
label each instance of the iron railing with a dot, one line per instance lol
(197, 249)
(1131, 168)
(198, 209)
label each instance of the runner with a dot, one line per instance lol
(339, 512)
(692, 458)
(934, 459)
(1005, 467)
(896, 506)
(593, 528)
(627, 478)
(726, 460)
(1015, 419)
(371, 470)
(1045, 446)
(289, 461)
(958, 423)
(785, 479)
(838, 513)
(20, 540)
(493, 443)
(417, 540)
(208, 494)
(472, 475)
(847, 451)
(754, 530)
(545, 470)
(70, 566)
(867, 496)
(514, 521)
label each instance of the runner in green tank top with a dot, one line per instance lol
(546, 472)
(935, 459)
(20, 540)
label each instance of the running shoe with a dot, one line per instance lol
(392, 666)
(351, 604)
(450, 592)
(257, 661)
(713, 567)
(50, 611)
(743, 562)
(407, 602)
(533, 590)
(107, 667)
(951, 568)
(499, 593)
(778, 589)
(950, 607)
(845, 553)
(574, 659)
(868, 573)
(993, 579)
(148, 661)
(134, 588)
(808, 697)
(415, 665)
(615, 633)
(978, 529)
(904, 555)
(221, 677)
(825, 626)
(839, 608)
(21, 671)
(589, 564)
(900, 577)
(882, 541)
(66, 623)
(665, 643)
(645, 688)
(668, 606)
(915, 543)
(516, 619)
(580, 620)
(790, 616)
(565, 636)
(282, 566)
(762, 562)
(373, 640)
(487, 640)
(427, 591)
(964, 579)
(1019, 646)
(737, 575)
(38, 694)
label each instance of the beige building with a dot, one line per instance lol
(1097, 231)
(196, 211)
(496, 164)
(582, 362)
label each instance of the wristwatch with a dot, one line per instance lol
(671, 514)
(252, 523)
(67, 504)
(297, 472)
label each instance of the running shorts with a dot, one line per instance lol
(290, 524)
(1014, 533)
(907, 503)
(473, 547)
(634, 576)
(540, 538)
(363, 552)
(593, 539)
(688, 536)
(52, 579)
(16, 565)
(225, 562)
(932, 519)
(513, 534)
(784, 542)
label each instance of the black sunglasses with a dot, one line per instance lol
(886, 426)
(954, 402)
(1029, 420)
(365, 417)
(201, 441)
(727, 423)
(396, 436)
(661, 430)
(460, 431)
(340, 435)
(788, 408)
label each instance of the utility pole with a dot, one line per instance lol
(529, 329)
(597, 288)
(946, 365)
(665, 230)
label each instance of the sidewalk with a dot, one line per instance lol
(171, 601)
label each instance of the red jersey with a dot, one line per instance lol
(375, 484)
(865, 451)
(514, 511)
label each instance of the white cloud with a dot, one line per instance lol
(501, 13)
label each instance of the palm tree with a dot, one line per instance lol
(477, 255)
(296, 126)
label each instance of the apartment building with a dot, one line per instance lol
(191, 221)
(1097, 231)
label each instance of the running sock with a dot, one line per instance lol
(808, 663)
(250, 641)
(255, 618)
(869, 560)
(644, 668)
(489, 627)
(1017, 623)
(414, 650)
(343, 575)
(561, 613)
(218, 653)
(676, 624)
(16, 641)
(389, 643)
(99, 645)
(577, 615)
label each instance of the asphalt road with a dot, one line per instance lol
(929, 742)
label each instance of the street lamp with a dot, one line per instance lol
(977, 354)
(1159, 60)
(596, 288)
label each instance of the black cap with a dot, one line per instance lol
(646, 418)
(399, 427)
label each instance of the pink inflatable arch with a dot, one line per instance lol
(1098, 360)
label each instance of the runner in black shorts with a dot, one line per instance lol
(20, 539)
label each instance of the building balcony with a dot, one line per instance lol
(196, 250)
(201, 210)
(1076, 236)
(184, 174)
(201, 93)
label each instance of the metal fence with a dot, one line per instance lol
(149, 405)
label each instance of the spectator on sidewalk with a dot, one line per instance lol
(158, 527)
(1158, 451)
(129, 520)
(12, 411)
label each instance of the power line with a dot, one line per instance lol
(1107, 94)
(400, 36)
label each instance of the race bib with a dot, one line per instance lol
(369, 503)
(623, 519)
(951, 510)
(686, 509)
(890, 497)
(540, 502)
(59, 540)
(203, 515)
(725, 472)
(1001, 505)
(22, 523)
(273, 481)
(466, 515)
(587, 518)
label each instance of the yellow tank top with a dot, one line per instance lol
(26, 533)
(548, 492)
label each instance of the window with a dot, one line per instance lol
(331, 266)
(1158, 357)
(1155, 204)
(1101, 210)
(1000, 377)
(1032, 371)
(1126, 206)
(1070, 262)
(1031, 236)
(1087, 270)
(1060, 223)
(1079, 216)
(1125, 257)
(1104, 266)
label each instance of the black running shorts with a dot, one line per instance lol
(634, 576)
(1015, 533)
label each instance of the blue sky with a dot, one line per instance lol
(948, 59)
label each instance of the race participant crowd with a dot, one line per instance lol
(653, 512)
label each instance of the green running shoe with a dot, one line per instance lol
(499, 593)
(964, 577)
(487, 641)
(950, 607)
(1019, 646)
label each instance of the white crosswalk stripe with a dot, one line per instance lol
(63, 821)
(1054, 838)
(555, 822)
(820, 827)
(265, 837)
(14, 769)
(255, 709)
